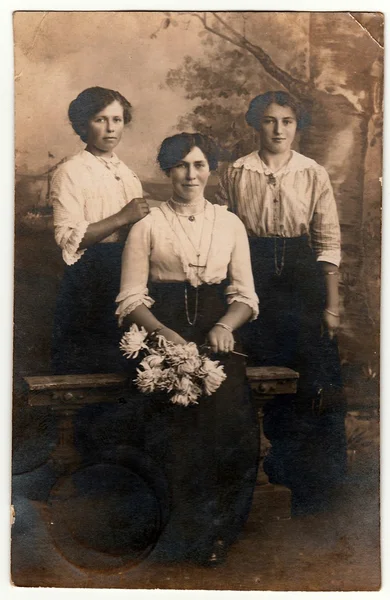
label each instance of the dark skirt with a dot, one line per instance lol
(209, 452)
(306, 430)
(86, 334)
(86, 339)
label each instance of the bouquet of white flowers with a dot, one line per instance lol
(176, 369)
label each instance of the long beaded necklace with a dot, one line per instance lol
(197, 249)
(279, 268)
(272, 182)
(190, 264)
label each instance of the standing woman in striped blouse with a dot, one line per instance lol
(287, 204)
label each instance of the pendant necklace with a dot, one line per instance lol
(189, 217)
(110, 166)
(192, 218)
(114, 171)
(271, 179)
(192, 321)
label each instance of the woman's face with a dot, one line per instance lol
(189, 177)
(277, 128)
(105, 129)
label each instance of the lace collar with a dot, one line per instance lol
(253, 162)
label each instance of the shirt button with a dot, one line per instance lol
(275, 201)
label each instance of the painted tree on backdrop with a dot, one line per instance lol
(331, 62)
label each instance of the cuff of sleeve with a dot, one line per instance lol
(234, 295)
(330, 256)
(70, 252)
(127, 302)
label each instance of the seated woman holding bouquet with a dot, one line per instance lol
(186, 277)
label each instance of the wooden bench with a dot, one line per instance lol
(270, 501)
(67, 394)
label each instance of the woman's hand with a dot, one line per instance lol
(331, 323)
(171, 335)
(134, 211)
(220, 339)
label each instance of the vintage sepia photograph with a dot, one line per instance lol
(197, 287)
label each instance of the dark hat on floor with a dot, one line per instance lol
(111, 513)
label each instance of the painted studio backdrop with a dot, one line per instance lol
(198, 72)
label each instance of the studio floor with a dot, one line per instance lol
(334, 550)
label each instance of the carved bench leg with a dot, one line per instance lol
(271, 501)
(65, 457)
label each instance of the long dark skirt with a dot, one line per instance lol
(307, 430)
(86, 334)
(209, 451)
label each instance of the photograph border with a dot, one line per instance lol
(6, 238)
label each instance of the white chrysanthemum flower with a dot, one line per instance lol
(189, 366)
(169, 380)
(215, 376)
(133, 341)
(148, 380)
(173, 368)
(194, 393)
(152, 360)
(180, 353)
(208, 366)
(182, 399)
(184, 384)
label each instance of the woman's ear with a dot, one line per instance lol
(296, 141)
(83, 133)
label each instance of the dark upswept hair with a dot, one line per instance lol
(173, 149)
(259, 104)
(90, 102)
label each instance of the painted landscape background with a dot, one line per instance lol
(198, 71)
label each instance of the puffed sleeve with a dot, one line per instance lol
(226, 192)
(70, 224)
(222, 195)
(135, 269)
(325, 227)
(132, 182)
(241, 287)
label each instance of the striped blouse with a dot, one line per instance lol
(300, 202)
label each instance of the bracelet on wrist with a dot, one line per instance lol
(332, 313)
(225, 326)
(331, 272)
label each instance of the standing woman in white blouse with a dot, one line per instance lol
(186, 275)
(95, 198)
(286, 203)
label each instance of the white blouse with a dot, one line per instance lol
(86, 189)
(301, 201)
(158, 248)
